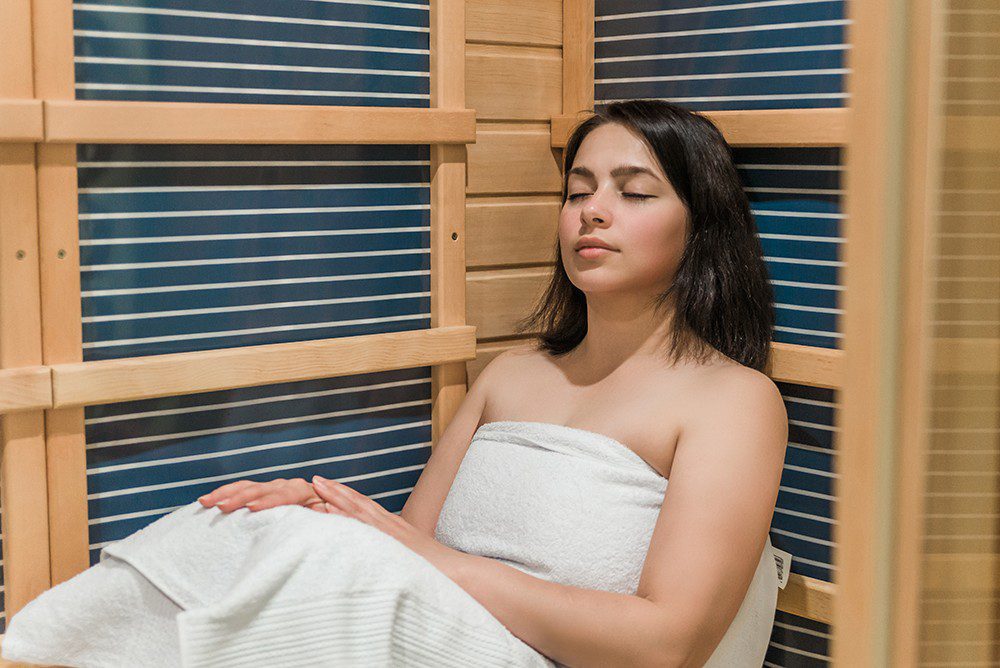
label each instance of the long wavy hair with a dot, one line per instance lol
(720, 295)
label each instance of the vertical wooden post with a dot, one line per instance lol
(894, 133)
(22, 441)
(578, 57)
(447, 44)
(59, 243)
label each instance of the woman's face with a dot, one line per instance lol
(618, 193)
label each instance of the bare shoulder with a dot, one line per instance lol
(506, 367)
(728, 393)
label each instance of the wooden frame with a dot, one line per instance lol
(769, 127)
(43, 480)
(818, 367)
(72, 122)
(890, 190)
(23, 482)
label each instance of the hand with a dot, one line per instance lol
(340, 499)
(260, 495)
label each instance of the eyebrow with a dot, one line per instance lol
(622, 170)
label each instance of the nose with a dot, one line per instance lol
(594, 212)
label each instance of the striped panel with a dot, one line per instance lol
(146, 458)
(708, 55)
(803, 516)
(326, 52)
(795, 196)
(797, 642)
(199, 247)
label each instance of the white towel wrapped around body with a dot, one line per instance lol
(290, 586)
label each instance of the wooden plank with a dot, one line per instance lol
(130, 379)
(766, 127)
(882, 433)
(522, 22)
(448, 387)
(808, 597)
(519, 229)
(513, 82)
(25, 388)
(806, 365)
(20, 120)
(105, 122)
(578, 56)
(66, 466)
(513, 158)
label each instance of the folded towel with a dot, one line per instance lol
(579, 508)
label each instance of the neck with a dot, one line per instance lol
(623, 329)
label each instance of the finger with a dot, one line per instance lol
(265, 501)
(239, 499)
(334, 496)
(223, 492)
(350, 500)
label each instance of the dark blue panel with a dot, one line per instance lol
(252, 51)
(192, 248)
(721, 56)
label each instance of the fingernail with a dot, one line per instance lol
(320, 481)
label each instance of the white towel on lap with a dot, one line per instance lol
(290, 586)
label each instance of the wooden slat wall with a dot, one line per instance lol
(514, 82)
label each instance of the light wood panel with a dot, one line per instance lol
(513, 158)
(20, 120)
(769, 127)
(199, 123)
(524, 22)
(22, 442)
(513, 82)
(806, 365)
(129, 379)
(66, 462)
(24, 388)
(578, 56)
(511, 230)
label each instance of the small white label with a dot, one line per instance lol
(783, 562)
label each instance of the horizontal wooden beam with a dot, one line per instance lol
(807, 597)
(107, 381)
(806, 365)
(102, 122)
(20, 120)
(965, 133)
(26, 388)
(767, 127)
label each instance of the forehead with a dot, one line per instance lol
(611, 145)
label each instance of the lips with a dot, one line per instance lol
(592, 242)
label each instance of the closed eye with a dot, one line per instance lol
(576, 196)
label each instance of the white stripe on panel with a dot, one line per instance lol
(108, 34)
(727, 52)
(266, 306)
(251, 91)
(254, 164)
(716, 8)
(724, 75)
(256, 235)
(250, 284)
(249, 260)
(256, 330)
(256, 67)
(121, 190)
(738, 98)
(255, 18)
(726, 31)
(250, 212)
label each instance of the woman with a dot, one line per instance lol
(654, 332)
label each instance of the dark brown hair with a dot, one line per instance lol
(721, 295)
